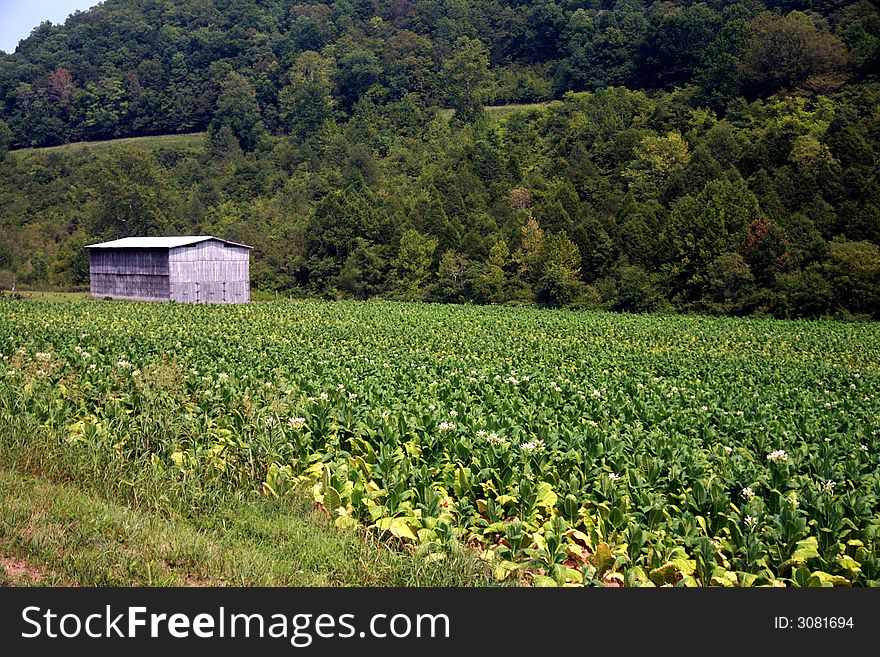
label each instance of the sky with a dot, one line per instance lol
(19, 17)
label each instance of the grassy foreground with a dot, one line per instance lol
(56, 534)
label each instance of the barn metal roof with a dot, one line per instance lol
(159, 242)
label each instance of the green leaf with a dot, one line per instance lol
(849, 564)
(823, 579)
(345, 522)
(545, 496)
(802, 577)
(805, 549)
(505, 500)
(543, 580)
(570, 506)
(332, 500)
(602, 559)
(399, 527)
(668, 573)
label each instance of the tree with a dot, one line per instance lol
(665, 60)
(701, 228)
(132, 194)
(306, 102)
(359, 70)
(412, 265)
(104, 108)
(5, 139)
(466, 78)
(730, 282)
(786, 52)
(806, 293)
(452, 277)
(491, 283)
(237, 108)
(716, 77)
(559, 284)
(528, 258)
(637, 291)
(764, 249)
(854, 272)
(656, 160)
(364, 271)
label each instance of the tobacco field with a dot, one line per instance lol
(564, 447)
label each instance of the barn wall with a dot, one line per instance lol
(129, 273)
(210, 272)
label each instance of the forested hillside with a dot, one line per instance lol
(718, 156)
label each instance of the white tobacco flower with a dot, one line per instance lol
(532, 445)
(777, 456)
(446, 426)
(223, 376)
(828, 487)
(495, 439)
(614, 476)
(747, 494)
(296, 422)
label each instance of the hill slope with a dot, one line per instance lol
(140, 67)
(722, 159)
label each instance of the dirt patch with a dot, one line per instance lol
(19, 572)
(193, 579)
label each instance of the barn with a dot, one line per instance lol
(194, 268)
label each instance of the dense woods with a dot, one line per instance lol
(714, 157)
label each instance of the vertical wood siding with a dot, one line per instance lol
(210, 272)
(129, 273)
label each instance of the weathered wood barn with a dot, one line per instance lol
(195, 269)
